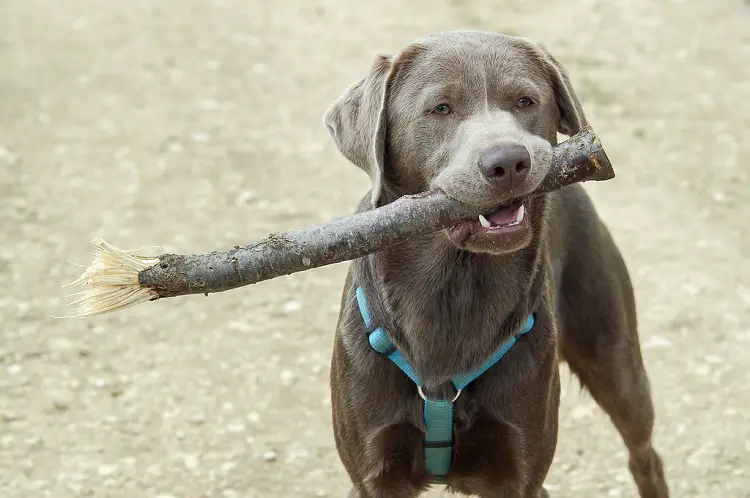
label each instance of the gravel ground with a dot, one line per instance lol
(196, 125)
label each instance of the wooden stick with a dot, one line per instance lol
(118, 279)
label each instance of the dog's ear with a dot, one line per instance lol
(357, 122)
(571, 119)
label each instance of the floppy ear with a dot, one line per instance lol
(357, 122)
(570, 113)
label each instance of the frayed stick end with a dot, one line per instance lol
(111, 282)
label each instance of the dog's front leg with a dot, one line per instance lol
(384, 493)
(513, 490)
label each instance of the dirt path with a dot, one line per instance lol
(198, 127)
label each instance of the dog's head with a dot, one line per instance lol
(472, 113)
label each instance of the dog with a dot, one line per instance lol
(475, 114)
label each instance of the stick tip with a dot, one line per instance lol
(111, 283)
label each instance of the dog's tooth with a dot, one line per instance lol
(521, 212)
(484, 221)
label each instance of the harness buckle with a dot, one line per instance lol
(424, 397)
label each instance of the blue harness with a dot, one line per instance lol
(438, 414)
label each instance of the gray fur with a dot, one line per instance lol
(449, 302)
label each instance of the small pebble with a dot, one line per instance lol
(244, 197)
(582, 412)
(23, 309)
(9, 416)
(191, 461)
(197, 419)
(292, 306)
(33, 440)
(297, 455)
(59, 344)
(76, 488)
(101, 383)
(270, 456)
(61, 400)
(656, 341)
(287, 377)
(702, 370)
(200, 137)
(236, 427)
(208, 104)
(7, 156)
(107, 470)
(175, 146)
(154, 470)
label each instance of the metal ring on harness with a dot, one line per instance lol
(424, 397)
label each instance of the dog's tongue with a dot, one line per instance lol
(505, 215)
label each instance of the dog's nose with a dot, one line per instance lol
(506, 165)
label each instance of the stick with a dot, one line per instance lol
(118, 279)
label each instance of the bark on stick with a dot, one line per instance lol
(580, 158)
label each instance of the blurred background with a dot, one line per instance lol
(196, 125)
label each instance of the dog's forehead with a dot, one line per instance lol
(467, 53)
(471, 41)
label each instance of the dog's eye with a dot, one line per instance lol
(525, 102)
(442, 109)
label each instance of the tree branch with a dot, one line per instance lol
(580, 158)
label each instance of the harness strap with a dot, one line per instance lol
(438, 414)
(438, 441)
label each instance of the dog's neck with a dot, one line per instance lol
(449, 310)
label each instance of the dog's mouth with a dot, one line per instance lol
(506, 215)
(505, 220)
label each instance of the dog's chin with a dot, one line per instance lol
(506, 229)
